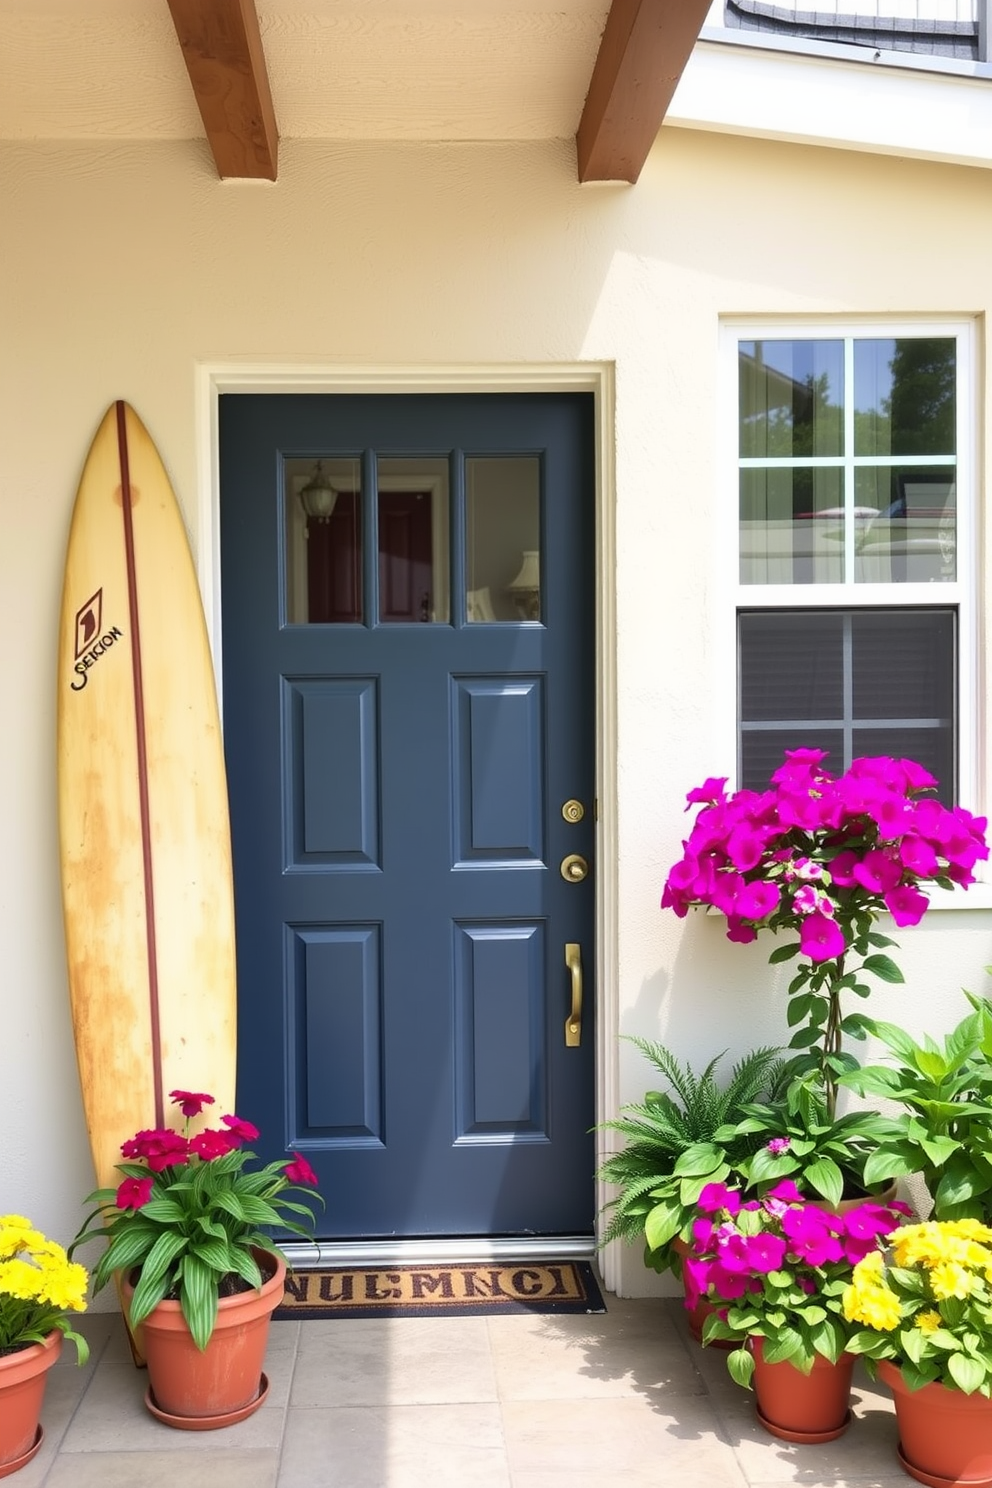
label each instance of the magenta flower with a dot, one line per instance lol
(134, 1193)
(765, 1252)
(717, 1196)
(712, 789)
(878, 872)
(906, 904)
(809, 1237)
(239, 1131)
(158, 1148)
(778, 1145)
(918, 856)
(300, 1171)
(785, 1191)
(841, 868)
(740, 931)
(821, 938)
(757, 899)
(190, 1101)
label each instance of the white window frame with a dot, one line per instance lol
(963, 593)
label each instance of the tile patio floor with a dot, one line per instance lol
(589, 1401)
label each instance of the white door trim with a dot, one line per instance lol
(214, 378)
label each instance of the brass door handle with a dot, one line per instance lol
(574, 868)
(573, 1023)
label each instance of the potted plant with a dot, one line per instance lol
(945, 1132)
(793, 1136)
(188, 1229)
(925, 1309)
(39, 1285)
(775, 1269)
(669, 1154)
(822, 857)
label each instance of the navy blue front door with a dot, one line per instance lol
(410, 761)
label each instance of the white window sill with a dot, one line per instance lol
(976, 896)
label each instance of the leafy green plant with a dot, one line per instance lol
(669, 1155)
(945, 1131)
(39, 1285)
(188, 1215)
(793, 1136)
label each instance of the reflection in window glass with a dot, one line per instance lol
(323, 525)
(904, 396)
(791, 398)
(413, 503)
(792, 526)
(503, 538)
(907, 522)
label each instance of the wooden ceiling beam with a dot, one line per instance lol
(222, 48)
(642, 55)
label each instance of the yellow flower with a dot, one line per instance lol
(928, 1322)
(20, 1279)
(875, 1306)
(948, 1279)
(64, 1286)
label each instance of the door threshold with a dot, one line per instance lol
(447, 1251)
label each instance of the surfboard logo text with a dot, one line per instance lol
(89, 623)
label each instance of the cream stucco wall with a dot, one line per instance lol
(126, 268)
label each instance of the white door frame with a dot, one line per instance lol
(214, 378)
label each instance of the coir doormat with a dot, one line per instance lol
(450, 1290)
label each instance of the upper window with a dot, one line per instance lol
(855, 607)
(944, 28)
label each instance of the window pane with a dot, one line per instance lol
(791, 665)
(323, 522)
(503, 538)
(792, 526)
(904, 665)
(850, 681)
(907, 525)
(791, 398)
(904, 396)
(413, 540)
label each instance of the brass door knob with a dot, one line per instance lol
(574, 868)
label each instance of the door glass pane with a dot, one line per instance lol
(791, 398)
(323, 525)
(904, 396)
(792, 525)
(907, 524)
(414, 583)
(503, 538)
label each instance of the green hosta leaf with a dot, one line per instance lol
(701, 1158)
(765, 1165)
(827, 1337)
(931, 1064)
(778, 1278)
(939, 1149)
(741, 1367)
(826, 1178)
(213, 1253)
(166, 1249)
(230, 1203)
(663, 1224)
(147, 1295)
(165, 1211)
(914, 1344)
(198, 1296)
(966, 1373)
(788, 1345)
(883, 967)
(812, 1313)
(890, 1162)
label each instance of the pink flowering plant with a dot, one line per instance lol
(822, 857)
(777, 1268)
(188, 1214)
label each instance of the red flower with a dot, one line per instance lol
(159, 1148)
(300, 1171)
(239, 1131)
(134, 1192)
(210, 1144)
(191, 1101)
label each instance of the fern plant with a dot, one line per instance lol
(669, 1155)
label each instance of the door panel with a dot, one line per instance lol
(396, 791)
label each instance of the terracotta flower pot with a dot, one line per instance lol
(23, 1376)
(797, 1407)
(199, 1391)
(945, 1436)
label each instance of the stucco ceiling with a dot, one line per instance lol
(338, 69)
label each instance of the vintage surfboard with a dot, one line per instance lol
(143, 815)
